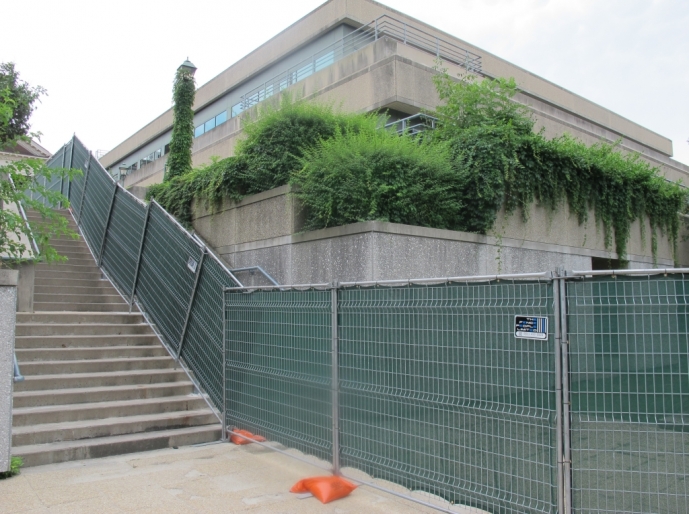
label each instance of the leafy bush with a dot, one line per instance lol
(373, 174)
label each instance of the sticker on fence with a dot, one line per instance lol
(191, 264)
(531, 327)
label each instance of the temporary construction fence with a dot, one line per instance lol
(157, 265)
(525, 393)
(540, 393)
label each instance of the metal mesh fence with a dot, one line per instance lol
(121, 251)
(439, 396)
(167, 272)
(203, 342)
(629, 345)
(278, 367)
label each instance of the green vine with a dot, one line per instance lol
(183, 93)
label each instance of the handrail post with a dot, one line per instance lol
(376, 30)
(107, 225)
(83, 190)
(191, 303)
(138, 259)
(335, 385)
(18, 377)
(224, 368)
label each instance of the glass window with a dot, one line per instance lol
(209, 125)
(237, 109)
(304, 72)
(198, 131)
(166, 150)
(221, 118)
(157, 154)
(325, 60)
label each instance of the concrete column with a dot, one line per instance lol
(8, 316)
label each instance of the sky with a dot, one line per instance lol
(108, 66)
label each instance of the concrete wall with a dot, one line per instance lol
(265, 230)
(8, 302)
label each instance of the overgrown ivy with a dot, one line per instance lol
(183, 93)
(483, 157)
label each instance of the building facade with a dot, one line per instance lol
(367, 57)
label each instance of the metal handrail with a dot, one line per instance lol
(413, 124)
(22, 212)
(260, 270)
(18, 377)
(383, 26)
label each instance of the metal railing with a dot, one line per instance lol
(383, 26)
(18, 377)
(413, 125)
(155, 264)
(547, 392)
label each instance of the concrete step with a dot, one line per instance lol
(74, 260)
(79, 329)
(93, 366)
(26, 416)
(63, 267)
(81, 307)
(50, 281)
(79, 430)
(35, 342)
(89, 353)
(108, 378)
(82, 395)
(123, 318)
(40, 454)
(98, 288)
(68, 274)
(67, 298)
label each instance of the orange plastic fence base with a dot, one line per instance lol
(250, 438)
(326, 489)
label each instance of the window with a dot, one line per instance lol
(209, 125)
(166, 149)
(304, 72)
(237, 109)
(325, 60)
(221, 118)
(199, 130)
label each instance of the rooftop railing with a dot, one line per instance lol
(384, 26)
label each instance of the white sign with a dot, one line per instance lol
(531, 327)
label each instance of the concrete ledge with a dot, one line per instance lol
(9, 277)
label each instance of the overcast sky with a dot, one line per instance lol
(108, 66)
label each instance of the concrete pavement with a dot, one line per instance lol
(213, 478)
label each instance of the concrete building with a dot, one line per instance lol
(367, 57)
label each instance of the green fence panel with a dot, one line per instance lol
(203, 342)
(629, 355)
(279, 367)
(167, 273)
(121, 251)
(438, 395)
(96, 206)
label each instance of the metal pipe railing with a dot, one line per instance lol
(18, 377)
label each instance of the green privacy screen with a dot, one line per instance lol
(278, 375)
(629, 347)
(435, 391)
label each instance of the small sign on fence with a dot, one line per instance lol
(531, 327)
(191, 264)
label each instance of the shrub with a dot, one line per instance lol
(372, 174)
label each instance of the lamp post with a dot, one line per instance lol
(123, 173)
(188, 67)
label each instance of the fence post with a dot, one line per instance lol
(335, 385)
(558, 395)
(138, 259)
(224, 367)
(191, 302)
(83, 190)
(107, 224)
(567, 454)
(71, 165)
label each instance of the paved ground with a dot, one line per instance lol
(215, 478)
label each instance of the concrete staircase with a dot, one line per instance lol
(98, 380)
